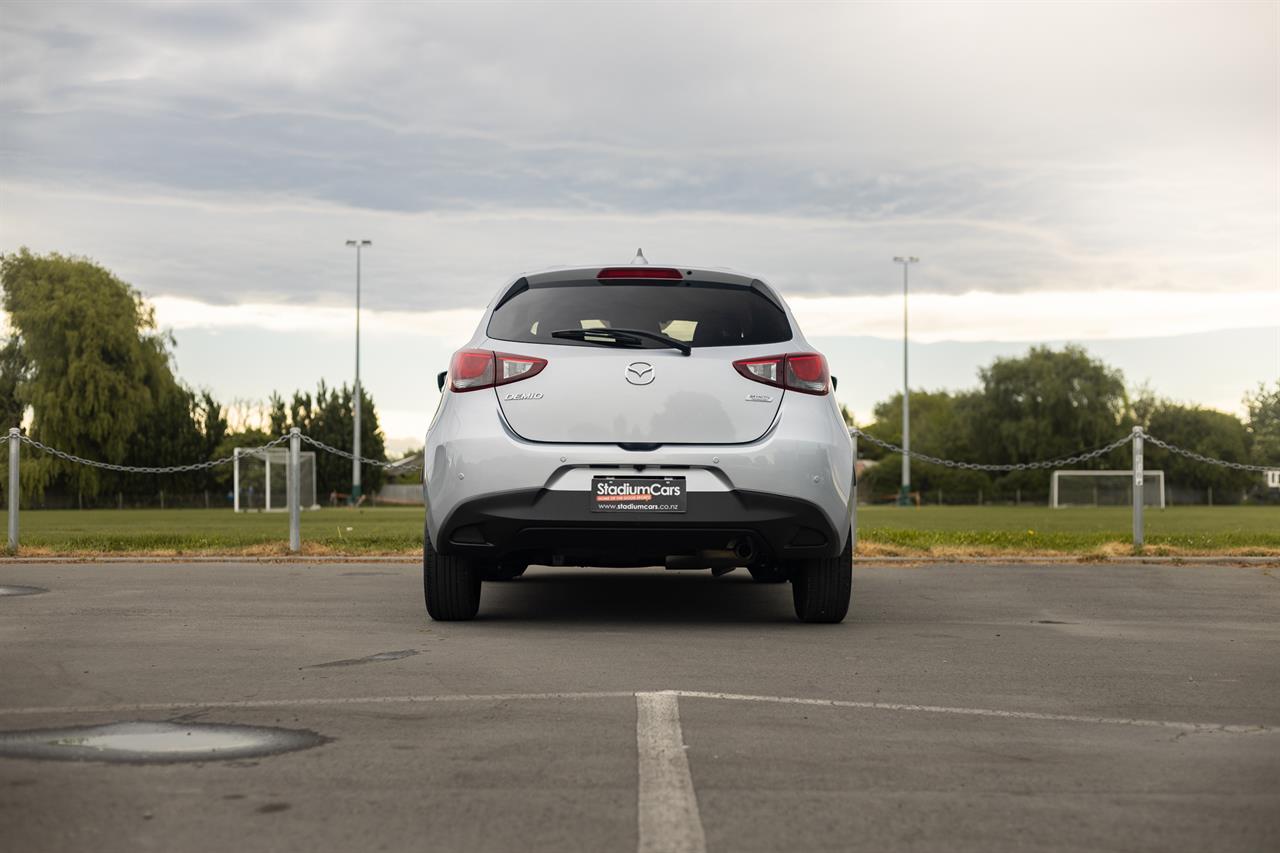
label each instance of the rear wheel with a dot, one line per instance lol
(821, 588)
(450, 584)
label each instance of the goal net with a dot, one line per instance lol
(1104, 488)
(261, 480)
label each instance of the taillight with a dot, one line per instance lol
(513, 368)
(640, 272)
(798, 371)
(766, 370)
(807, 372)
(473, 369)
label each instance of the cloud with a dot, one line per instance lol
(934, 318)
(231, 248)
(223, 152)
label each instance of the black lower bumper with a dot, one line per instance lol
(544, 526)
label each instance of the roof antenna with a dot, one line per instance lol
(640, 258)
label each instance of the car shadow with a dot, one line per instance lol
(546, 595)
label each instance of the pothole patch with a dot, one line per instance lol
(139, 742)
(14, 589)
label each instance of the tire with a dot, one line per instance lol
(768, 574)
(821, 588)
(450, 585)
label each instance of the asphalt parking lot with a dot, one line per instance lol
(960, 707)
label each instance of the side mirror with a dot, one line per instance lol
(440, 377)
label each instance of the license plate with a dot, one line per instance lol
(637, 495)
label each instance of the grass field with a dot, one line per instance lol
(882, 531)
(1244, 530)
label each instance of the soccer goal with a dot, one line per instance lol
(1104, 488)
(260, 480)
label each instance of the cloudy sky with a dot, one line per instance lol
(1101, 173)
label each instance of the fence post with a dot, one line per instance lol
(1137, 487)
(15, 496)
(235, 480)
(295, 491)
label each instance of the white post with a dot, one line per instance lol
(14, 496)
(355, 433)
(294, 482)
(1137, 487)
(1053, 490)
(266, 455)
(235, 478)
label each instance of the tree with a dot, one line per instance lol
(938, 429)
(328, 417)
(1044, 405)
(1204, 431)
(15, 369)
(89, 361)
(1264, 424)
(98, 366)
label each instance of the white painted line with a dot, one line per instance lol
(320, 702)
(983, 712)
(308, 702)
(667, 807)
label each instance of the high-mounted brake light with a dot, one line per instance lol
(640, 272)
(473, 369)
(805, 372)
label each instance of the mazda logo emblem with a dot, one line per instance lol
(639, 373)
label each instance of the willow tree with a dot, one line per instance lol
(98, 370)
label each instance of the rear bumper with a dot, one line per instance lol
(547, 525)
(476, 466)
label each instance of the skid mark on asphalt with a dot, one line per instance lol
(899, 707)
(667, 806)
(374, 658)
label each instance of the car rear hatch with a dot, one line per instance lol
(620, 389)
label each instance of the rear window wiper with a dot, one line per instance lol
(604, 337)
(624, 337)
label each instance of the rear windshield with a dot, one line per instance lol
(699, 314)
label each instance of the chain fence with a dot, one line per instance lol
(144, 469)
(401, 465)
(398, 466)
(1135, 439)
(1062, 460)
(979, 466)
(1208, 460)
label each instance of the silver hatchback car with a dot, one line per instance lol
(636, 416)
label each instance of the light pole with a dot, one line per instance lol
(355, 440)
(904, 494)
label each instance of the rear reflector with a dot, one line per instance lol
(651, 273)
(798, 371)
(473, 369)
